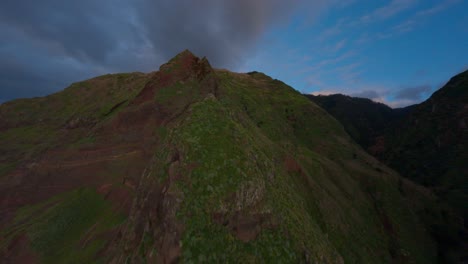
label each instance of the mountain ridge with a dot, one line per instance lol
(426, 143)
(194, 164)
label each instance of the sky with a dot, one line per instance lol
(393, 51)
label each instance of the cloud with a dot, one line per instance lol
(53, 43)
(325, 92)
(338, 46)
(391, 97)
(371, 94)
(334, 30)
(413, 93)
(403, 27)
(320, 65)
(418, 18)
(350, 73)
(441, 6)
(83, 30)
(401, 103)
(376, 95)
(394, 8)
(391, 9)
(221, 30)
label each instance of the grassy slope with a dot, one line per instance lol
(30, 126)
(57, 227)
(256, 149)
(329, 206)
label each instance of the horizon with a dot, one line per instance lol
(397, 52)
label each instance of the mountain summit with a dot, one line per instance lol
(194, 164)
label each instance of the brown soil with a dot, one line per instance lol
(20, 252)
(291, 165)
(245, 226)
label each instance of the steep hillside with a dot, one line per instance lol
(362, 118)
(430, 146)
(426, 143)
(197, 165)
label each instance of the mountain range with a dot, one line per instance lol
(195, 164)
(427, 143)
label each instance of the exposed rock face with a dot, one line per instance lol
(182, 68)
(194, 164)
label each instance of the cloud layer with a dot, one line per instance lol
(51, 43)
(352, 48)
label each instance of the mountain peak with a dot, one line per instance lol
(186, 62)
(185, 54)
(184, 66)
(141, 163)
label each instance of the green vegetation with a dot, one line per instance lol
(66, 228)
(238, 146)
(227, 168)
(31, 126)
(221, 172)
(426, 143)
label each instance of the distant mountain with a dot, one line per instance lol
(193, 164)
(427, 143)
(362, 118)
(430, 144)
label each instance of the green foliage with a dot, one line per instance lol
(241, 139)
(212, 244)
(64, 228)
(232, 148)
(219, 172)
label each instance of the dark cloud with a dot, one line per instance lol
(222, 30)
(13, 76)
(413, 93)
(371, 94)
(86, 29)
(51, 43)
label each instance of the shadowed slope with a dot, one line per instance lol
(426, 143)
(362, 118)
